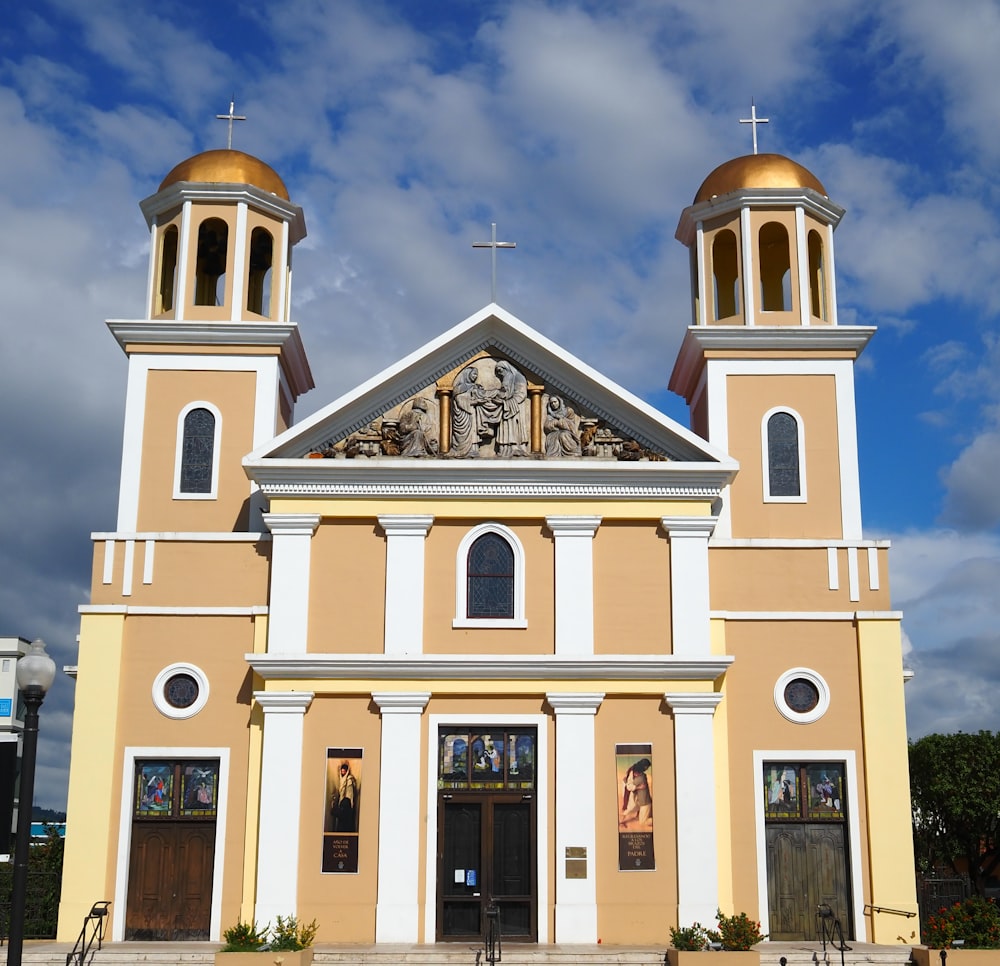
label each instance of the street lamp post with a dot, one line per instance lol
(35, 673)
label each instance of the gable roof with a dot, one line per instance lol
(495, 331)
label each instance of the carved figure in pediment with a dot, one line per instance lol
(562, 429)
(417, 433)
(513, 435)
(468, 422)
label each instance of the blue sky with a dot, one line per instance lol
(583, 129)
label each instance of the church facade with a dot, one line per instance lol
(488, 634)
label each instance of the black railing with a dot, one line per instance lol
(831, 931)
(492, 944)
(92, 931)
(41, 903)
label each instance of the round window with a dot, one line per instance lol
(180, 691)
(801, 695)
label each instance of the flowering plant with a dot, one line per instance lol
(691, 938)
(975, 920)
(736, 932)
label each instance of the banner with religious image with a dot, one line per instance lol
(634, 773)
(342, 809)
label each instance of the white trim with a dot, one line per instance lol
(280, 815)
(689, 584)
(831, 275)
(183, 256)
(240, 268)
(109, 561)
(814, 678)
(288, 596)
(853, 582)
(462, 618)
(802, 252)
(213, 492)
(701, 274)
(575, 813)
(397, 907)
(224, 536)
(155, 261)
(132, 441)
(540, 722)
(854, 859)
(405, 539)
(847, 437)
(148, 555)
(873, 573)
(133, 611)
(128, 569)
(573, 539)
(283, 268)
(646, 668)
(130, 755)
(765, 456)
(696, 824)
(832, 568)
(795, 543)
(164, 706)
(748, 249)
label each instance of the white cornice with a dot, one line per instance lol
(806, 340)
(282, 335)
(176, 194)
(808, 198)
(490, 479)
(479, 667)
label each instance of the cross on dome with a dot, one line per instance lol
(231, 116)
(753, 120)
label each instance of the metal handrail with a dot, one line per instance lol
(96, 917)
(830, 928)
(492, 944)
(895, 912)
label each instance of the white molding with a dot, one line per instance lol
(224, 536)
(397, 909)
(653, 669)
(817, 680)
(405, 536)
(148, 558)
(873, 571)
(132, 610)
(128, 568)
(748, 250)
(132, 445)
(697, 835)
(689, 584)
(575, 813)
(280, 812)
(462, 618)
(806, 615)
(831, 276)
(130, 755)
(796, 543)
(288, 596)
(802, 262)
(854, 859)
(765, 456)
(853, 583)
(701, 274)
(164, 706)
(109, 562)
(573, 537)
(213, 492)
(240, 274)
(541, 797)
(832, 568)
(183, 256)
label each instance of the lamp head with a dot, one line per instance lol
(36, 670)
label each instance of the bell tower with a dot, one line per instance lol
(216, 365)
(765, 367)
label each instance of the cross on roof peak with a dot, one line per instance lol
(493, 245)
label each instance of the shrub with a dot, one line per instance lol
(691, 938)
(244, 937)
(736, 932)
(288, 935)
(976, 920)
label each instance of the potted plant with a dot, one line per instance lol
(287, 943)
(968, 930)
(734, 939)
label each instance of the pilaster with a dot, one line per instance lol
(574, 582)
(404, 581)
(288, 605)
(689, 588)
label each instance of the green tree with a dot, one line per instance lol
(955, 795)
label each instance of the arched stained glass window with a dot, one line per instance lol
(490, 574)
(783, 455)
(197, 452)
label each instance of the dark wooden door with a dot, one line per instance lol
(806, 867)
(486, 852)
(170, 881)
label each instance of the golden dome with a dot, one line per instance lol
(757, 171)
(227, 167)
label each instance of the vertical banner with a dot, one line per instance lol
(634, 771)
(343, 802)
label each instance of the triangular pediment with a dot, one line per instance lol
(491, 388)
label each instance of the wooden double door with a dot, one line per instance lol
(486, 854)
(806, 868)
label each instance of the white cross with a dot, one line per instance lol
(493, 245)
(754, 120)
(231, 116)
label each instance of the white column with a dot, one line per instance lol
(404, 581)
(576, 781)
(697, 845)
(280, 803)
(689, 598)
(288, 606)
(400, 828)
(574, 552)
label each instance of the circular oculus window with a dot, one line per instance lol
(801, 695)
(180, 691)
